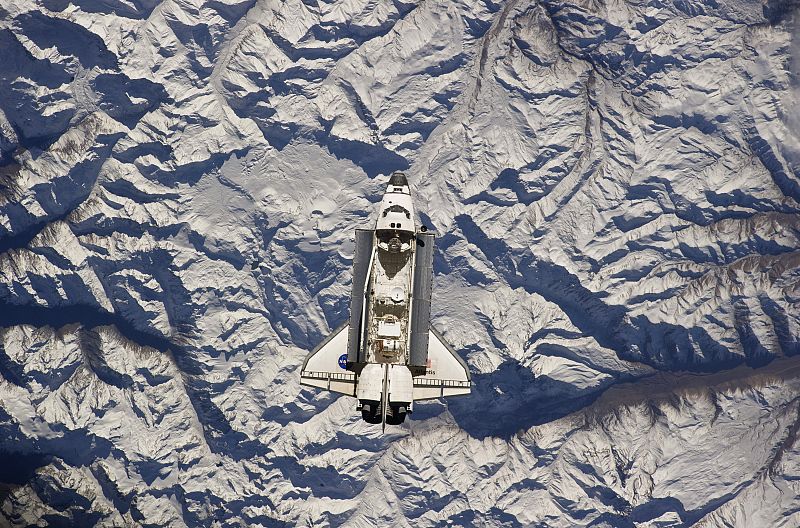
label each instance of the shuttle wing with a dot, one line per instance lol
(447, 374)
(326, 366)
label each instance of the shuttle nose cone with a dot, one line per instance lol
(399, 179)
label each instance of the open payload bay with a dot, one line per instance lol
(388, 355)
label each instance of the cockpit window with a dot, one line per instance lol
(396, 209)
(398, 179)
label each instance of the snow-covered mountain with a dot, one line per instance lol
(616, 190)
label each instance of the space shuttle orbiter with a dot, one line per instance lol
(388, 355)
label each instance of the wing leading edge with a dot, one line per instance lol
(326, 366)
(447, 374)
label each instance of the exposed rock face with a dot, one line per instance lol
(616, 189)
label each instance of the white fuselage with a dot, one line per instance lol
(391, 278)
(387, 315)
(387, 354)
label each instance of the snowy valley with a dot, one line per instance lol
(615, 188)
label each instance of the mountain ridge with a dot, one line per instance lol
(614, 188)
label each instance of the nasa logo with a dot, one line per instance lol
(343, 361)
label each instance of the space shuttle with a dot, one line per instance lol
(387, 355)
